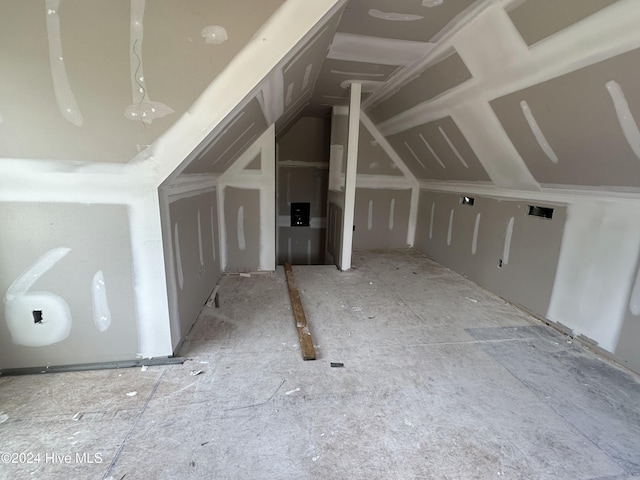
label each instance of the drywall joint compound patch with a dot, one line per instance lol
(142, 108)
(214, 34)
(101, 310)
(625, 117)
(394, 17)
(37, 319)
(537, 132)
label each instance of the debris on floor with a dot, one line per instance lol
(245, 275)
(144, 368)
(132, 394)
(292, 391)
(337, 364)
(196, 372)
(471, 299)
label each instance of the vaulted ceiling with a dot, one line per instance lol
(518, 93)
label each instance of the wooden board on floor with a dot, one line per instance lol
(306, 343)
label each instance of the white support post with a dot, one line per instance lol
(350, 178)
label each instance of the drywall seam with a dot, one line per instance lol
(357, 74)
(450, 229)
(142, 107)
(413, 154)
(178, 255)
(213, 234)
(634, 299)
(370, 216)
(453, 147)
(238, 138)
(413, 215)
(100, 302)
(433, 212)
(506, 251)
(25, 281)
(383, 51)
(200, 249)
(242, 244)
(476, 229)
(186, 186)
(222, 230)
(171, 275)
(392, 208)
(67, 104)
(287, 100)
(537, 132)
(625, 117)
(274, 43)
(307, 76)
(202, 152)
(435, 155)
(394, 16)
(351, 174)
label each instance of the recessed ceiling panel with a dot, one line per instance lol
(400, 19)
(438, 151)
(539, 19)
(438, 78)
(580, 128)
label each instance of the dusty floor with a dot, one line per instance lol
(441, 380)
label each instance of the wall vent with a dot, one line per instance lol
(543, 212)
(464, 200)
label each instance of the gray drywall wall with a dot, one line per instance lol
(69, 245)
(436, 79)
(539, 19)
(303, 175)
(242, 225)
(627, 348)
(577, 116)
(194, 238)
(381, 218)
(372, 159)
(528, 272)
(334, 232)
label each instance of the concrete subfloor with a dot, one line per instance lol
(441, 380)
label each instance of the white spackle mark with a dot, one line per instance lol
(315, 459)
(625, 117)
(200, 249)
(101, 310)
(308, 252)
(176, 249)
(213, 236)
(287, 100)
(142, 107)
(144, 368)
(414, 155)
(453, 147)
(450, 231)
(433, 211)
(394, 17)
(435, 155)
(507, 241)
(289, 189)
(289, 250)
(471, 299)
(292, 391)
(476, 228)
(21, 306)
(214, 34)
(132, 394)
(3, 417)
(357, 74)
(307, 76)
(195, 373)
(374, 165)
(242, 245)
(392, 209)
(634, 301)
(408, 423)
(64, 95)
(432, 3)
(370, 216)
(537, 132)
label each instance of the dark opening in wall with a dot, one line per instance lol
(543, 212)
(464, 200)
(37, 316)
(300, 214)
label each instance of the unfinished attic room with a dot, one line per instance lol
(320, 239)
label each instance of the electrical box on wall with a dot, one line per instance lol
(300, 214)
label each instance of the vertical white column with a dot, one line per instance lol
(350, 180)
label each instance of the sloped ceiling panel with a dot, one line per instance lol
(91, 74)
(539, 19)
(231, 142)
(438, 151)
(302, 71)
(438, 78)
(372, 159)
(580, 128)
(402, 19)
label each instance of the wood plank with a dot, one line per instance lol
(306, 343)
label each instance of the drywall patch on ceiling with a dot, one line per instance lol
(37, 319)
(100, 302)
(143, 108)
(64, 95)
(361, 48)
(537, 132)
(431, 3)
(625, 117)
(394, 17)
(214, 34)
